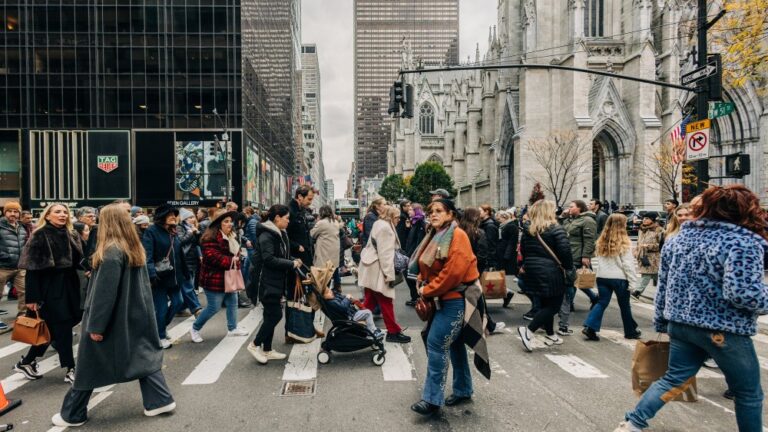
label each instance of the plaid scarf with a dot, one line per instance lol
(434, 247)
(473, 331)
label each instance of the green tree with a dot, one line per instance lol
(393, 187)
(429, 176)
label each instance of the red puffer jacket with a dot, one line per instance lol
(216, 259)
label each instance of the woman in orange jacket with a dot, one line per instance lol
(445, 263)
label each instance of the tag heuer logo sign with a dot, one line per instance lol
(106, 163)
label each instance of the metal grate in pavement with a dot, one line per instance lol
(298, 388)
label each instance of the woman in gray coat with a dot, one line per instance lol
(120, 342)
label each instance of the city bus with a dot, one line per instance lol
(347, 208)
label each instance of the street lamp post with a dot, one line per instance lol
(227, 158)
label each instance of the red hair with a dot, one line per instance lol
(735, 204)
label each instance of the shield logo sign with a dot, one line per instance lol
(106, 163)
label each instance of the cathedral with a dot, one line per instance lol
(482, 125)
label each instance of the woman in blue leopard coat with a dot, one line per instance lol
(711, 292)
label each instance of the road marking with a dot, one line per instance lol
(302, 362)
(12, 349)
(398, 366)
(575, 366)
(642, 305)
(760, 338)
(210, 369)
(724, 408)
(96, 399)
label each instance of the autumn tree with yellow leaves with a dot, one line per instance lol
(741, 36)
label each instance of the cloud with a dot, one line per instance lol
(328, 23)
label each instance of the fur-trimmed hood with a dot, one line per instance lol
(50, 247)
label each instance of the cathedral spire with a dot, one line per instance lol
(477, 53)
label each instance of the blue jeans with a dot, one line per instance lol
(689, 347)
(606, 288)
(215, 299)
(189, 295)
(443, 339)
(565, 308)
(164, 314)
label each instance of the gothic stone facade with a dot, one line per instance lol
(478, 123)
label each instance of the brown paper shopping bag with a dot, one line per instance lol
(649, 363)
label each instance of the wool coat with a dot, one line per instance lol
(327, 245)
(582, 234)
(119, 307)
(276, 264)
(649, 245)
(298, 232)
(540, 273)
(377, 263)
(217, 258)
(491, 229)
(507, 250)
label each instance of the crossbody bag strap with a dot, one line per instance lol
(552, 254)
(168, 255)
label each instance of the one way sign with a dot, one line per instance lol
(699, 74)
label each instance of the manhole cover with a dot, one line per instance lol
(298, 388)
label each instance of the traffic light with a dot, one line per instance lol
(394, 107)
(408, 102)
(737, 165)
(715, 82)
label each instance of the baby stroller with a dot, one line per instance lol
(345, 335)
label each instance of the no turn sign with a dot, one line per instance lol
(697, 140)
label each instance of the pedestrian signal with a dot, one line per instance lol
(737, 165)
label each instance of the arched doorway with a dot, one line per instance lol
(606, 169)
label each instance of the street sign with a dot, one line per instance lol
(697, 140)
(699, 74)
(720, 109)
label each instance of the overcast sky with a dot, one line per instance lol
(328, 23)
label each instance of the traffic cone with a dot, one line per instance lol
(5, 403)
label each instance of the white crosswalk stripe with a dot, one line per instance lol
(96, 399)
(575, 366)
(302, 362)
(210, 369)
(398, 366)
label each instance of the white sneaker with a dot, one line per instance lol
(626, 426)
(238, 332)
(710, 363)
(165, 343)
(60, 422)
(553, 340)
(274, 355)
(163, 409)
(499, 327)
(257, 353)
(525, 337)
(195, 335)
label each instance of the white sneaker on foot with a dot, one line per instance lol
(274, 355)
(163, 409)
(626, 426)
(499, 327)
(710, 363)
(525, 337)
(257, 353)
(553, 340)
(195, 335)
(60, 422)
(165, 343)
(238, 332)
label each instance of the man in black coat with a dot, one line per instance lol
(596, 207)
(404, 225)
(298, 228)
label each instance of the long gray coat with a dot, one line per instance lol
(119, 306)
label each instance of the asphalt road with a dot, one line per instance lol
(218, 386)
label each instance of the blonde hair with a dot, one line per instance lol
(41, 222)
(613, 241)
(673, 223)
(390, 213)
(116, 229)
(375, 203)
(542, 216)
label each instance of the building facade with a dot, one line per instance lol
(106, 101)
(482, 124)
(429, 27)
(312, 124)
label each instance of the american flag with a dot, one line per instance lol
(677, 137)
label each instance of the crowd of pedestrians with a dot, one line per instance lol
(100, 267)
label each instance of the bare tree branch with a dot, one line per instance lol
(564, 159)
(663, 169)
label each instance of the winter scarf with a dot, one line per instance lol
(51, 248)
(434, 247)
(234, 246)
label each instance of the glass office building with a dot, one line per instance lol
(136, 82)
(382, 29)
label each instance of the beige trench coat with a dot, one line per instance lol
(327, 242)
(377, 263)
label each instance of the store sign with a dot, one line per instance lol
(107, 163)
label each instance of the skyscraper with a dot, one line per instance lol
(312, 137)
(430, 27)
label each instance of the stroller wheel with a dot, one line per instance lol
(324, 357)
(378, 358)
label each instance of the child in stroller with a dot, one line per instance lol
(353, 309)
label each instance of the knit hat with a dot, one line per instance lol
(652, 215)
(162, 212)
(134, 210)
(140, 220)
(185, 214)
(11, 205)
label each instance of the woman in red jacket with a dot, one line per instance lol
(220, 249)
(445, 262)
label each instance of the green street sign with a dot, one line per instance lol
(720, 109)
